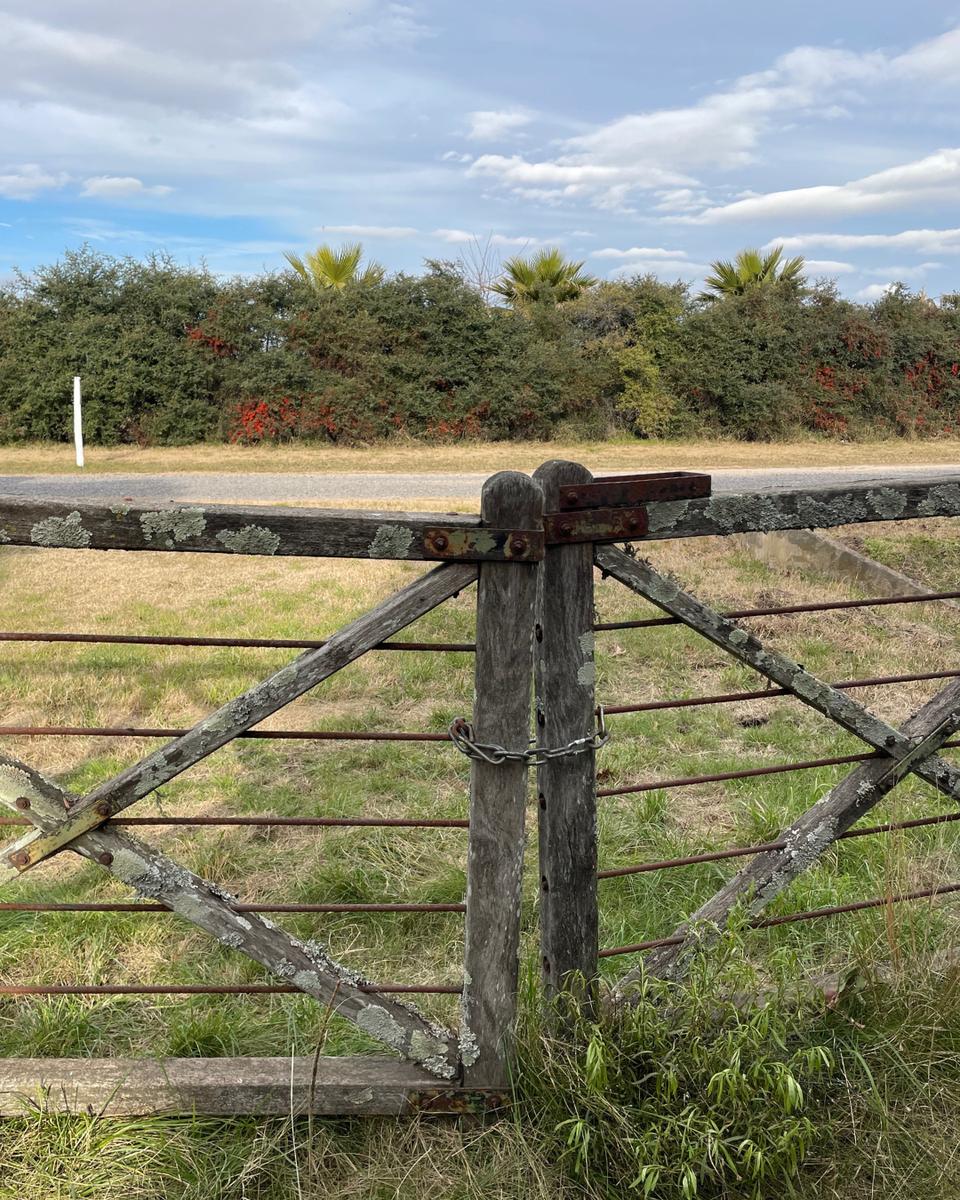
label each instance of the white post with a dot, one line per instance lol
(77, 421)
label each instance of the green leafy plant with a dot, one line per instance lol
(682, 1093)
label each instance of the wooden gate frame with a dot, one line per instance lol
(535, 616)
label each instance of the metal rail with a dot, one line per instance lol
(656, 785)
(200, 989)
(767, 693)
(125, 639)
(777, 609)
(811, 914)
(690, 860)
(305, 735)
(330, 822)
(143, 907)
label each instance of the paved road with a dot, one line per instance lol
(374, 486)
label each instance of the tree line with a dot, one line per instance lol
(336, 349)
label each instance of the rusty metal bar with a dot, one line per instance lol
(766, 693)
(655, 785)
(307, 735)
(825, 606)
(135, 906)
(334, 822)
(202, 989)
(811, 914)
(740, 851)
(124, 639)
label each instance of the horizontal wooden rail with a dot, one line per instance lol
(261, 530)
(345, 533)
(118, 1087)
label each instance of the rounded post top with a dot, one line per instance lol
(558, 473)
(512, 498)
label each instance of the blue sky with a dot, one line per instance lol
(637, 136)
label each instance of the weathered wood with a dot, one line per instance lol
(118, 1087)
(256, 529)
(820, 508)
(566, 787)
(769, 873)
(737, 642)
(306, 965)
(506, 594)
(291, 681)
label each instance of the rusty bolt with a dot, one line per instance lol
(20, 859)
(106, 858)
(632, 524)
(518, 544)
(103, 809)
(22, 802)
(572, 496)
(565, 530)
(440, 541)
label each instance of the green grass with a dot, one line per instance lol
(888, 1108)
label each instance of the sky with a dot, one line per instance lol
(639, 137)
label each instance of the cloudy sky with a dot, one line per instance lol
(638, 136)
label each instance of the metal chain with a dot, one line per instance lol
(461, 734)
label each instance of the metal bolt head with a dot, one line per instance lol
(103, 809)
(22, 803)
(572, 496)
(20, 859)
(632, 524)
(518, 544)
(440, 541)
(565, 529)
(106, 858)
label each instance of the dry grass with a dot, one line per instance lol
(418, 458)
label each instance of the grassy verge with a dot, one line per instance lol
(475, 456)
(884, 1121)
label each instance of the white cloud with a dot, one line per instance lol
(827, 266)
(455, 156)
(454, 236)
(671, 268)
(493, 124)
(660, 149)
(903, 272)
(922, 241)
(933, 178)
(119, 187)
(874, 291)
(502, 239)
(22, 183)
(371, 231)
(647, 252)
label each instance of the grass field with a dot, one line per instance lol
(623, 453)
(889, 1127)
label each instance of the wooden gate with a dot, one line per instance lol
(532, 551)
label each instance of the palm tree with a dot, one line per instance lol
(751, 269)
(544, 277)
(327, 267)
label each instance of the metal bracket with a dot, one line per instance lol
(471, 545)
(458, 1100)
(619, 491)
(595, 525)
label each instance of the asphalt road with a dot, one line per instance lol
(210, 487)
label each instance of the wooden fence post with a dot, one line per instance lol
(566, 787)
(506, 596)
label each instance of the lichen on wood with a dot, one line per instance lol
(61, 532)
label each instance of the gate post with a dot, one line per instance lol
(566, 787)
(506, 596)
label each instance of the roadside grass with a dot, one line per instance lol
(620, 453)
(887, 1125)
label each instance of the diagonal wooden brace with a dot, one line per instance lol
(306, 965)
(769, 873)
(291, 681)
(640, 577)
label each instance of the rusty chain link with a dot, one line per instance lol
(461, 734)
